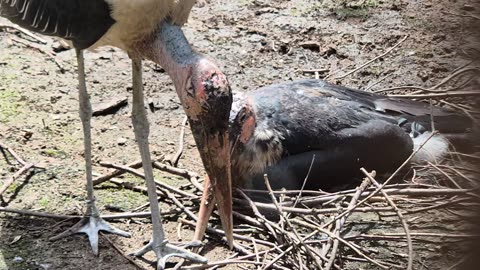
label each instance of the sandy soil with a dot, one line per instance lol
(256, 43)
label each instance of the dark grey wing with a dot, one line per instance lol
(311, 114)
(393, 110)
(81, 21)
(397, 109)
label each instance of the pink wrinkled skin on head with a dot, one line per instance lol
(248, 126)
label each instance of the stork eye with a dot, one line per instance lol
(190, 89)
(242, 115)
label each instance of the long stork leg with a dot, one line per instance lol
(91, 223)
(158, 244)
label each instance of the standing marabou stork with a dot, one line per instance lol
(144, 29)
(322, 134)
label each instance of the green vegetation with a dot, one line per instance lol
(55, 153)
(10, 104)
(12, 187)
(44, 202)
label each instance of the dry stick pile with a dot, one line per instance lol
(310, 229)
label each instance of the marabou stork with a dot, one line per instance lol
(313, 132)
(144, 29)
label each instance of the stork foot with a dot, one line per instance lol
(165, 250)
(91, 225)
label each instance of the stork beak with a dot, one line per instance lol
(208, 101)
(218, 186)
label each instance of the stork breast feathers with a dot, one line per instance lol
(136, 19)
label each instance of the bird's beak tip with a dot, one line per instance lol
(219, 184)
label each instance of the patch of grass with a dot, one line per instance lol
(12, 187)
(9, 104)
(55, 153)
(44, 202)
(126, 199)
(122, 198)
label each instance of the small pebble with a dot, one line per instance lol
(121, 141)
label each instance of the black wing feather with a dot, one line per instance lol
(81, 21)
(314, 115)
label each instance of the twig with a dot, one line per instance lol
(466, 155)
(13, 153)
(453, 169)
(221, 233)
(314, 211)
(141, 175)
(400, 216)
(25, 167)
(440, 205)
(122, 253)
(414, 192)
(393, 236)
(439, 95)
(10, 181)
(255, 251)
(465, 111)
(98, 180)
(265, 222)
(359, 252)
(374, 59)
(106, 217)
(181, 142)
(434, 89)
(340, 223)
(192, 177)
(138, 208)
(445, 174)
(223, 263)
(36, 214)
(289, 224)
(49, 54)
(291, 192)
(133, 187)
(25, 31)
(304, 182)
(333, 254)
(377, 82)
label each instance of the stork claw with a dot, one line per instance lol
(91, 224)
(165, 251)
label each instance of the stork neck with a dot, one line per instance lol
(169, 48)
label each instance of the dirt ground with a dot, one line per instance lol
(255, 43)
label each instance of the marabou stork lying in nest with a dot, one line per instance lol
(314, 135)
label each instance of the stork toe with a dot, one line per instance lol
(165, 251)
(91, 225)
